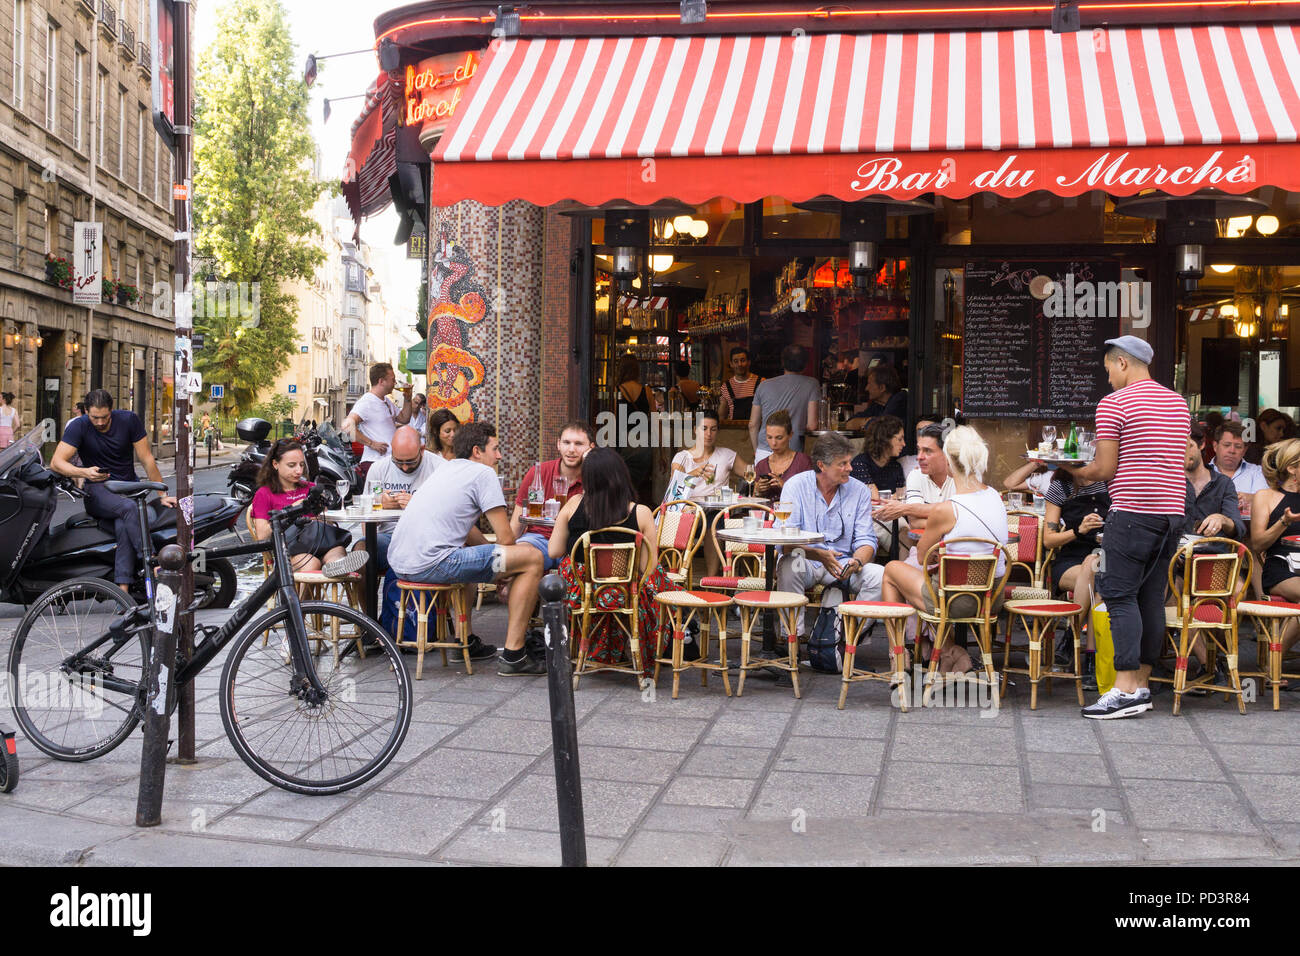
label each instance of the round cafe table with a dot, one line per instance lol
(372, 520)
(770, 539)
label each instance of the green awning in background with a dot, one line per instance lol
(417, 358)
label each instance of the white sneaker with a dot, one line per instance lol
(352, 561)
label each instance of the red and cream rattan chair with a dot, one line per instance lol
(788, 608)
(1208, 594)
(612, 574)
(680, 527)
(447, 604)
(1270, 618)
(854, 614)
(706, 604)
(737, 557)
(963, 589)
(1040, 619)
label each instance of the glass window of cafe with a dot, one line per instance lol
(759, 277)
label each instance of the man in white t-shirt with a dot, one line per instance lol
(1229, 450)
(399, 474)
(926, 487)
(437, 541)
(374, 418)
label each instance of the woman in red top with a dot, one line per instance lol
(318, 546)
(784, 462)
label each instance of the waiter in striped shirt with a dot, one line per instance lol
(1142, 431)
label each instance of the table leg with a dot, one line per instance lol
(369, 602)
(893, 546)
(769, 631)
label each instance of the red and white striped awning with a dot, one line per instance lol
(644, 118)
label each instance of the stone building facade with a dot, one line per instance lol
(77, 143)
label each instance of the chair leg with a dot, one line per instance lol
(851, 628)
(940, 635)
(1233, 670)
(746, 623)
(1180, 669)
(721, 615)
(679, 639)
(792, 620)
(1006, 650)
(421, 630)
(456, 605)
(704, 647)
(896, 631)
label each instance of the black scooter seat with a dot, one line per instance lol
(133, 489)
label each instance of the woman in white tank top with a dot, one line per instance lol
(974, 511)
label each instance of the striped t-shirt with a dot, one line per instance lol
(1151, 424)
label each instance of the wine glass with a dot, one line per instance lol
(1049, 434)
(783, 511)
(750, 476)
(343, 487)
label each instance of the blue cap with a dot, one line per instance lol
(1134, 346)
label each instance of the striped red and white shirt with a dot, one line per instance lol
(1151, 424)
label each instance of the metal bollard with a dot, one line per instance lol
(564, 724)
(162, 687)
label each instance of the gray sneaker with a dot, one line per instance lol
(1115, 704)
(352, 561)
(526, 666)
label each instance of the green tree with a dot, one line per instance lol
(253, 193)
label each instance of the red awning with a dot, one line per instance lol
(900, 114)
(373, 157)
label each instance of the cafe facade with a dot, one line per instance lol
(977, 198)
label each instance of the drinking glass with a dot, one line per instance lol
(751, 475)
(343, 487)
(1017, 500)
(560, 487)
(783, 511)
(1049, 434)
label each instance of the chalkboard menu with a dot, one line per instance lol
(1034, 334)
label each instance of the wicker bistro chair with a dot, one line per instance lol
(680, 525)
(736, 557)
(853, 614)
(446, 602)
(692, 603)
(1208, 596)
(968, 592)
(1040, 619)
(610, 570)
(1270, 617)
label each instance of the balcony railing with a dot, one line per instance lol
(355, 391)
(88, 6)
(127, 40)
(354, 354)
(143, 58)
(108, 17)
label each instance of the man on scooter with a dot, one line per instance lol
(108, 442)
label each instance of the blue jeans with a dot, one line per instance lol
(474, 564)
(1136, 552)
(541, 544)
(102, 503)
(382, 540)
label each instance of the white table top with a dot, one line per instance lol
(342, 517)
(719, 505)
(770, 536)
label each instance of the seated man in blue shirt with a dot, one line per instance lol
(107, 442)
(832, 501)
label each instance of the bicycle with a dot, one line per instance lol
(79, 658)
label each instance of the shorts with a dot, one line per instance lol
(543, 545)
(477, 564)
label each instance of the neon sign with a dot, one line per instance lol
(434, 89)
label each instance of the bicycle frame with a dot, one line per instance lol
(279, 585)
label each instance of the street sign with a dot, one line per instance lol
(293, 389)
(193, 383)
(218, 391)
(87, 263)
(304, 349)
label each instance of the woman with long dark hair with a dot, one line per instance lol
(441, 431)
(317, 546)
(608, 500)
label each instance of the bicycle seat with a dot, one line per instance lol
(134, 489)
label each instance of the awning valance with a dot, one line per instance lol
(1010, 112)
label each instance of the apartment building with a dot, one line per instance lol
(77, 144)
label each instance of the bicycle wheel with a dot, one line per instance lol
(83, 709)
(315, 747)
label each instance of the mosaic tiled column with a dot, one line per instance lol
(485, 321)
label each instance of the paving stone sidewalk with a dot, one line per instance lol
(708, 780)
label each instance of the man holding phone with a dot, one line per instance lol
(108, 442)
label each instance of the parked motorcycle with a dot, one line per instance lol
(328, 462)
(35, 556)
